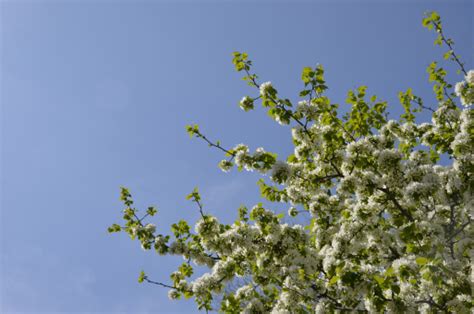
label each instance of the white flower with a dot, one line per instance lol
(159, 240)
(470, 77)
(369, 305)
(177, 248)
(398, 263)
(292, 212)
(208, 226)
(225, 165)
(244, 292)
(246, 103)
(173, 294)
(265, 88)
(388, 158)
(150, 228)
(202, 285)
(281, 171)
(321, 307)
(259, 152)
(182, 284)
(134, 230)
(458, 88)
(302, 105)
(254, 306)
(465, 89)
(307, 109)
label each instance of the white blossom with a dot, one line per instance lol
(246, 103)
(470, 77)
(265, 87)
(150, 228)
(281, 171)
(173, 294)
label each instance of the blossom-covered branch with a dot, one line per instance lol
(390, 203)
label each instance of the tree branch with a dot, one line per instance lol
(158, 283)
(450, 46)
(216, 145)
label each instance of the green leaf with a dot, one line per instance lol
(426, 21)
(421, 260)
(389, 272)
(361, 91)
(304, 93)
(379, 279)
(151, 211)
(186, 269)
(447, 55)
(192, 130)
(410, 248)
(141, 277)
(194, 195)
(434, 16)
(114, 228)
(307, 75)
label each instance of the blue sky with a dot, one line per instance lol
(96, 94)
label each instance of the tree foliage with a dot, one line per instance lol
(390, 205)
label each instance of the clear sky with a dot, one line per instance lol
(96, 95)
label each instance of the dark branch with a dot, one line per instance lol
(216, 145)
(158, 283)
(200, 208)
(450, 46)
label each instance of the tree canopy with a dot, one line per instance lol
(389, 201)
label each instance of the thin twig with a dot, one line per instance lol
(449, 44)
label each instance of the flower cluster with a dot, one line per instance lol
(266, 89)
(246, 103)
(465, 89)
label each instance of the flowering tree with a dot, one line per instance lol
(390, 228)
